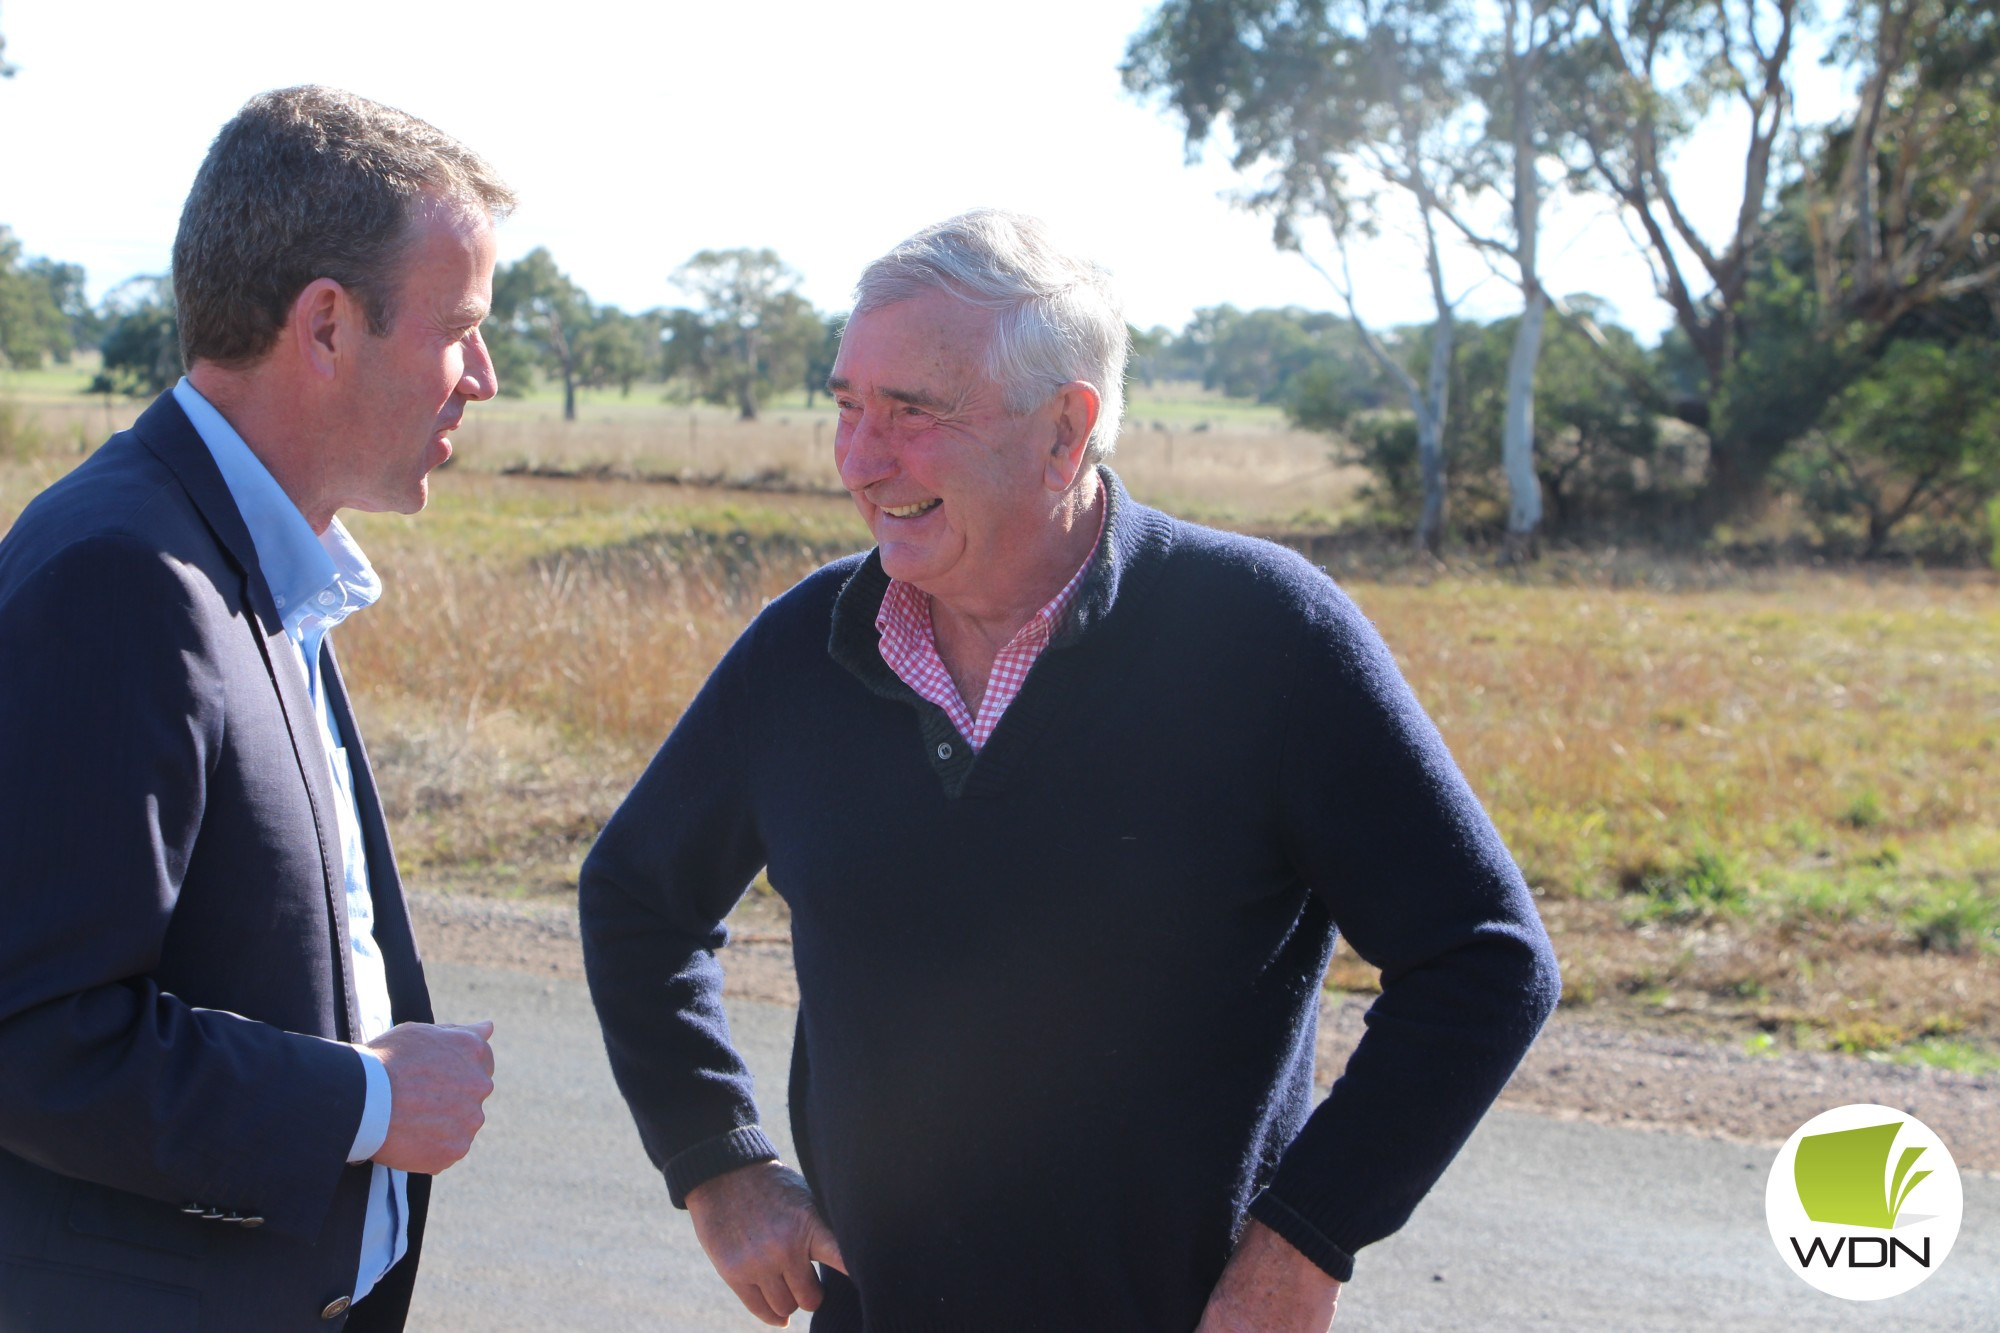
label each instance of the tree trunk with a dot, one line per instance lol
(1739, 464)
(1435, 408)
(1432, 410)
(1517, 438)
(569, 393)
(746, 384)
(1517, 441)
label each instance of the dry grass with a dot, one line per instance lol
(1772, 804)
(1757, 799)
(1237, 467)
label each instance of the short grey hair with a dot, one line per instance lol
(1055, 315)
(308, 183)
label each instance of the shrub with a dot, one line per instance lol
(1706, 884)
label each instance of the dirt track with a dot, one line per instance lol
(1583, 1068)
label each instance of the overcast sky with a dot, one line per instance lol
(639, 134)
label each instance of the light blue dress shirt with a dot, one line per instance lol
(318, 580)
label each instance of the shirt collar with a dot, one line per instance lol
(316, 579)
(905, 610)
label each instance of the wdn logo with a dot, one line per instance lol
(1864, 1202)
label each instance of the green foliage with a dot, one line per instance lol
(1300, 359)
(1917, 437)
(141, 341)
(1961, 922)
(753, 333)
(1864, 811)
(1707, 883)
(1600, 453)
(540, 318)
(1962, 1057)
(43, 312)
(619, 349)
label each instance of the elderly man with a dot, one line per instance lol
(1067, 799)
(222, 1086)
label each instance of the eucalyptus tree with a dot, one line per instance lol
(757, 329)
(545, 315)
(1333, 100)
(43, 312)
(1843, 237)
(1513, 88)
(141, 342)
(1904, 200)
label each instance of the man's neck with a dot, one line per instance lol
(969, 637)
(254, 406)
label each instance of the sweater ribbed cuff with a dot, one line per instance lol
(712, 1157)
(1302, 1236)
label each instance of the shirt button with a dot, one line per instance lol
(944, 749)
(327, 598)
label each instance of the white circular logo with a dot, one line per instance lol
(1864, 1202)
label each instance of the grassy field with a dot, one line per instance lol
(1758, 802)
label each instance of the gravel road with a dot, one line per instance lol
(556, 1221)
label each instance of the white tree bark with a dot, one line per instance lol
(1517, 439)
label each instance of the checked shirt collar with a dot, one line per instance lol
(910, 648)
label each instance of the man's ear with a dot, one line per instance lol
(323, 326)
(1077, 405)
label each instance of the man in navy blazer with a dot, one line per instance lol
(221, 1088)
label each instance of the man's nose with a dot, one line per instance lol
(478, 381)
(862, 451)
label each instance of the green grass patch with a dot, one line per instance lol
(1864, 811)
(1958, 920)
(1961, 1057)
(1706, 883)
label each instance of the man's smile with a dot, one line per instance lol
(911, 510)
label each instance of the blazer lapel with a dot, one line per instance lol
(165, 430)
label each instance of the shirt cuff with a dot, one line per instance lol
(368, 1139)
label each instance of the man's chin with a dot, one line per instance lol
(905, 564)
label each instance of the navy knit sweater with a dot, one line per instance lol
(1058, 999)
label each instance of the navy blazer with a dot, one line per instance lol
(174, 960)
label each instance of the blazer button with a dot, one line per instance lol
(335, 1309)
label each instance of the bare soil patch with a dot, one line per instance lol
(1587, 1066)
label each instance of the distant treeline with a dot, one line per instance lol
(750, 335)
(1911, 447)
(1834, 324)
(1909, 452)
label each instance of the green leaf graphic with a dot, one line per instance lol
(1840, 1176)
(1899, 1189)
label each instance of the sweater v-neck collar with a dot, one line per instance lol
(1134, 546)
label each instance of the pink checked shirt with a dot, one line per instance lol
(910, 649)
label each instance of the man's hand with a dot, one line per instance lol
(763, 1234)
(438, 1076)
(1269, 1287)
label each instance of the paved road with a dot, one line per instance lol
(557, 1222)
